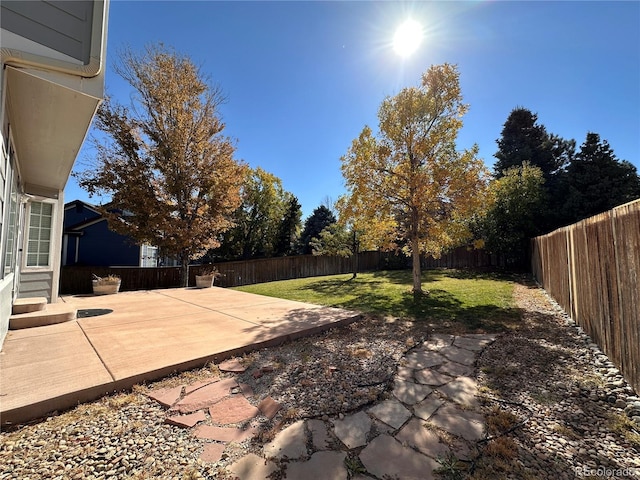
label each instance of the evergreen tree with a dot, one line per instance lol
(597, 181)
(321, 218)
(289, 228)
(524, 140)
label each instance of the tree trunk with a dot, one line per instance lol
(184, 271)
(415, 260)
(356, 258)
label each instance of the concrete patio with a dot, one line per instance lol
(148, 335)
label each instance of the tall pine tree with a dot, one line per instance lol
(320, 218)
(289, 228)
(597, 181)
(524, 140)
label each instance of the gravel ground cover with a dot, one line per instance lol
(554, 404)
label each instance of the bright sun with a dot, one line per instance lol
(407, 38)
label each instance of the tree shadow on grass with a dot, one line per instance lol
(439, 307)
(404, 277)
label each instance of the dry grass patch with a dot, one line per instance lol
(565, 431)
(624, 426)
(499, 421)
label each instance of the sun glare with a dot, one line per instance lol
(407, 38)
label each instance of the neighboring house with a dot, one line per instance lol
(51, 84)
(87, 240)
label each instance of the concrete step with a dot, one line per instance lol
(26, 305)
(54, 313)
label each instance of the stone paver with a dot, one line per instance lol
(461, 390)
(269, 407)
(410, 393)
(455, 369)
(431, 377)
(202, 383)
(442, 337)
(321, 466)
(421, 359)
(433, 381)
(252, 467)
(167, 396)
(463, 423)
(205, 396)
(427, 407)
(212, 452)
(232, 365)
(319, 435)
(246, 389)
(391, 412)
(475, 343)
(405, 373)
(417, 435)
(186, 421)
(459, 355)
(386, 456)
(290, 443)
(232, 410)
(353, 430)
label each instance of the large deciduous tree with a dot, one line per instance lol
(518, 197)
(164, 160)
(258, 218)
(409, 184)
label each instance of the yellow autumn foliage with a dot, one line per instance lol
(409, 187)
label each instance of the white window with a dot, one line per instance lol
(39, 242)
(149, 256)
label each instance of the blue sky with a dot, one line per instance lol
(303, 78)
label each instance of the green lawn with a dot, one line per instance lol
(468, 301)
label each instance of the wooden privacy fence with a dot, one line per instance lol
(592, 270)
(77, 279)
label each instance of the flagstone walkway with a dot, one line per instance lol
(431, 412)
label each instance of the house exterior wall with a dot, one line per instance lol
(88, 240)
(63, 27)
(51, 87)
(37, 283)
(78, 212)
(100, 246)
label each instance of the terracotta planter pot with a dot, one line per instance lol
(204, 281)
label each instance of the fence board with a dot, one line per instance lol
(595, 277)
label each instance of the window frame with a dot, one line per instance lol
(9, 210)
(28, 238)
